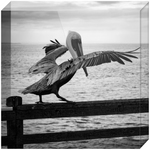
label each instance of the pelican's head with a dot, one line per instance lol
(74, 44)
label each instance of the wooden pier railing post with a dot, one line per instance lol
(15, 127)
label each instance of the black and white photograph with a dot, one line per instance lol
(75, 74)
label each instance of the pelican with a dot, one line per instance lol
(58, 75)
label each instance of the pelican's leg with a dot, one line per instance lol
(40, 101)
(63, 99)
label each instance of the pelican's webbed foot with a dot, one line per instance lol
(39, 102)
(63, 99)
(43, 103)
(67, 100)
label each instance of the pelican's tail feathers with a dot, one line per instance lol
(85, 70)
(23, 91)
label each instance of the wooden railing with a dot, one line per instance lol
(15, 137)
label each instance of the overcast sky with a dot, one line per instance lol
(96, 21)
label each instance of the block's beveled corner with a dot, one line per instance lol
(7, 7)
(146, 144)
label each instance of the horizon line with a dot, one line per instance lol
(65, 44)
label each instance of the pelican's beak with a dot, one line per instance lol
(74, 44)
(79, 50)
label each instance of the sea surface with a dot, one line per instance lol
(105, 82)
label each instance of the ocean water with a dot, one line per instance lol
(105, 82)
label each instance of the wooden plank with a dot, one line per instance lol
(84, 135)
(79, 135)
(90, 108)
(83, 104)
(79, 109)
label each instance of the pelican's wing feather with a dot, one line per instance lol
(43, 66)
(48, 62)
(94, 59)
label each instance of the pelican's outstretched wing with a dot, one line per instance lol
(94, 59)
(48, 62)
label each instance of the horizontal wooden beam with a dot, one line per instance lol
(78, 109)
(81, 135)
(64, 105)
(88, 108)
